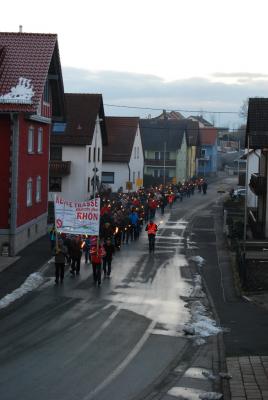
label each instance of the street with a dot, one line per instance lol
(119, 341)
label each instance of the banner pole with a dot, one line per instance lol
(55, 224)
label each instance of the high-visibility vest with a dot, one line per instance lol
(151, 228)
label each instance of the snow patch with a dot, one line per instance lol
(203, 325)
(199, 260)
(32, 282)
(22, 92)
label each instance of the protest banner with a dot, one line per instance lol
(77, 217)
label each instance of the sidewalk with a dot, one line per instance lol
(246, 348)
(6, 262)
(14, 270)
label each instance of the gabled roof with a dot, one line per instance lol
(257, 123)
(156, 132)
(26, 59)
(121, 132)
(202, 121)
(82, 110)
(170, 115)
(208, 136)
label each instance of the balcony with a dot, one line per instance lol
(59, 168)
(258, 184)
(204, 157)
(159, 163)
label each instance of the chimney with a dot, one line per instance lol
(20, 29)
(165, 114)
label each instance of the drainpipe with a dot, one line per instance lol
(14, 181)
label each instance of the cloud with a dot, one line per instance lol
(240, 75)
(194, 95)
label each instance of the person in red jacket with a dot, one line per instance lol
(97, 253)
(151, 228)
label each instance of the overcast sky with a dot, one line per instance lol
(191, 55)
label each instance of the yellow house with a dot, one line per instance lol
(192, 137)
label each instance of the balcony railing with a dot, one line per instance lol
(258, 184)
(160, 163)
(59, 168)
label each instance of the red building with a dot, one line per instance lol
(31, 98)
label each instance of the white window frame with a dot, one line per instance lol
(40, 141)
(157, 155)
(31, 140)
(38, 193)
(29, 192)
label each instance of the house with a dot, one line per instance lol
(165, 149)
(170, 115)
(252, 159)
(31, 98)
(123, 159)
(76, 148)
(257, 142)
(207, 160)
(203, 123)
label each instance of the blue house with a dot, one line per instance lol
(207, 160)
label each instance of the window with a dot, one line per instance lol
(40, 140)
(46, 92)
(157, 155)
(56, 153)
(89, 154)
(38, 189)
(94, 154)
(107, 177)
(156, 173)
(88, 184)
(139, 174)
(203, 152)
(54, 184)
(134, 152)
(138, 152)
(98, 154)
(31, 140)
(134, 177)
(29, 192)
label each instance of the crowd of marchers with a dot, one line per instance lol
(122, 218)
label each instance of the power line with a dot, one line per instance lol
(170, 110)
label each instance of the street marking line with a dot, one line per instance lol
(123, 364)
(93, 337)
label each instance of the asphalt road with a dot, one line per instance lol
(81, 342)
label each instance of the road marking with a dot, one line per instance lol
(247, 298)
(123, 364)
(93, 337)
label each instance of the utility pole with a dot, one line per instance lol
(95, 158)
(164, 180)
(238, 165)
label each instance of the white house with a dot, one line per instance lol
(76, 148)
(253, 160)
(123, 159)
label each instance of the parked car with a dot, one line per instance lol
(239, 193)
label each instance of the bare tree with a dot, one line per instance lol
(243, 111)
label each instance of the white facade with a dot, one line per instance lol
(78, 185)
(118, 175)
(127, 172)
(253, 168)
